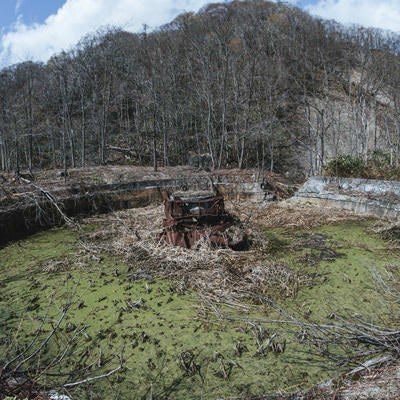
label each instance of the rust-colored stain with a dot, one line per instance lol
(189, 219)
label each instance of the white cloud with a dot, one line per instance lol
(18, 5)
(384, 14)
(76, 18)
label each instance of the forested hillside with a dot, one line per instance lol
(252, 83)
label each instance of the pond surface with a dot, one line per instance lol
(170, 345)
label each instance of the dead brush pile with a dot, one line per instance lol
(135, 235)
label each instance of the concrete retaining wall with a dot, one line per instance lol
(26, 217)
(364, 196)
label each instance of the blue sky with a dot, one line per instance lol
(37, 29)
(31, 11)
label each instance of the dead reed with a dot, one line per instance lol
(135, 235)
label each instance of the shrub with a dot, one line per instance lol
(345, 166)
(377, 166)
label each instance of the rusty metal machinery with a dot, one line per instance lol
(190, 219)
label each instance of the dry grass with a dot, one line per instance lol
(134, 235)
(63, 265)
(380, 383)
(291, 215)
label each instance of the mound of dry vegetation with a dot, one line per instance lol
(221, 273)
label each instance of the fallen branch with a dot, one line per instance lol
(93, 378)
(51, 198)
(122, 150)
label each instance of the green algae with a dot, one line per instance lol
(156, 330)
(344, 283)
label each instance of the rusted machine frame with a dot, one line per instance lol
(177, 208)
(189, 219)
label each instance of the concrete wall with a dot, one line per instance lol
(79, 201)
(364, 196)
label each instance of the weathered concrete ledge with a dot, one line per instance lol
(30, 214)
(363, 196)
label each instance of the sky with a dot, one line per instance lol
(37, 29)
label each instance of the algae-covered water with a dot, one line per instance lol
(157, 334)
